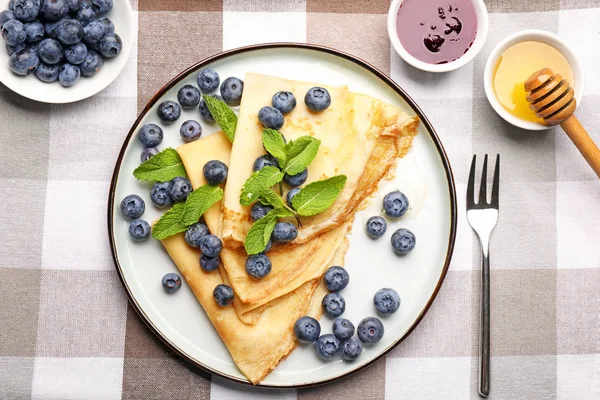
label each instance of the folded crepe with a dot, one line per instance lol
(256, 349)
(360, 138)
(310, 259)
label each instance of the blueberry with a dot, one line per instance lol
(50, 51)
(151, 135)
(171, 282)
(110, 45)
(386, 301)
(85, 14)
(204, 112)
(334, 305)
(93, 32)
(47, 73)
(35, 32)
(53, 10)
(370, 330)
(148, 153)
(109, 27)
(168, 111)
(307, 329)
(258, 266)
(139, 230)
(284, 101)
(265, 161)
(403, 241)
(74, 5)
(188, 96)
(190, 130)
(231, 90)
(102, 6)
(13, 32)
(215, 172)
(179, 188)
(50, 28)
(343, 329)
(290, 195)
(69, 74)
(271, 118)
(296, 180)
(209, 264)
(395, 204)
(259, 210)
(376, 227)
(317, 99)
(208, 81)
(336, 278)
(210, 245)
(351, 349)
(69, 31)
(223, 295)
(76, 54)
(91, 64)
(26, 10)
(195, 233)
(6, 16)
(13, 49)
(23, 62)
(159, 194)
(132, 206)
(284, 232)
(328, 346)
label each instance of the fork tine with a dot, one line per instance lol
(496, 183)
(483, 188)
(471, 185)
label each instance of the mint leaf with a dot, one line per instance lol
(295, 147)
(260, 232)
(259, 182)
(199, 201)
(170, 223)
(318, 196)
(223, 115)
(299, 157)
(162, 167)
(274, 144)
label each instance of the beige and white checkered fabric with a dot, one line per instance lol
(67, 332)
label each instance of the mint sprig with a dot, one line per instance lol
(182, 215)
(318, 196)
(162, 167)
(258, 183)
(260, 232)
(223, 115)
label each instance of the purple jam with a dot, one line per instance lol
(436, 31)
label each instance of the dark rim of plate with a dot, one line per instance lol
(323, 49)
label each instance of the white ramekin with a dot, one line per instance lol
(529, 35)
(482, 30)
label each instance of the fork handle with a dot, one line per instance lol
(484, 337)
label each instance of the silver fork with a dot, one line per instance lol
(483, 217)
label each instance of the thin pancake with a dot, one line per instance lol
(256, 349)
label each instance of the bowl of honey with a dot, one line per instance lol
(513, 60)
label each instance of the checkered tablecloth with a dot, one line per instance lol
(67, 331)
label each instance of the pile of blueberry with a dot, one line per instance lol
(395, 205)
(133, 207)
(58, 39)
(369, 331)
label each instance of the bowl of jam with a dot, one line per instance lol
(515, 59)
(437, 35)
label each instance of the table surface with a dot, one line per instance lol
(67, 331)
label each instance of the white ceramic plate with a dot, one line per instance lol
(29, 86)
(424, 175)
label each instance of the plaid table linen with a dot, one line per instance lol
(67, 331)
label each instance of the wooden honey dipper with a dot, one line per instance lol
(552, 99)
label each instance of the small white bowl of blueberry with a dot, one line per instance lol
(61, 51)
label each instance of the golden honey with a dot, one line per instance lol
(516, 64)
